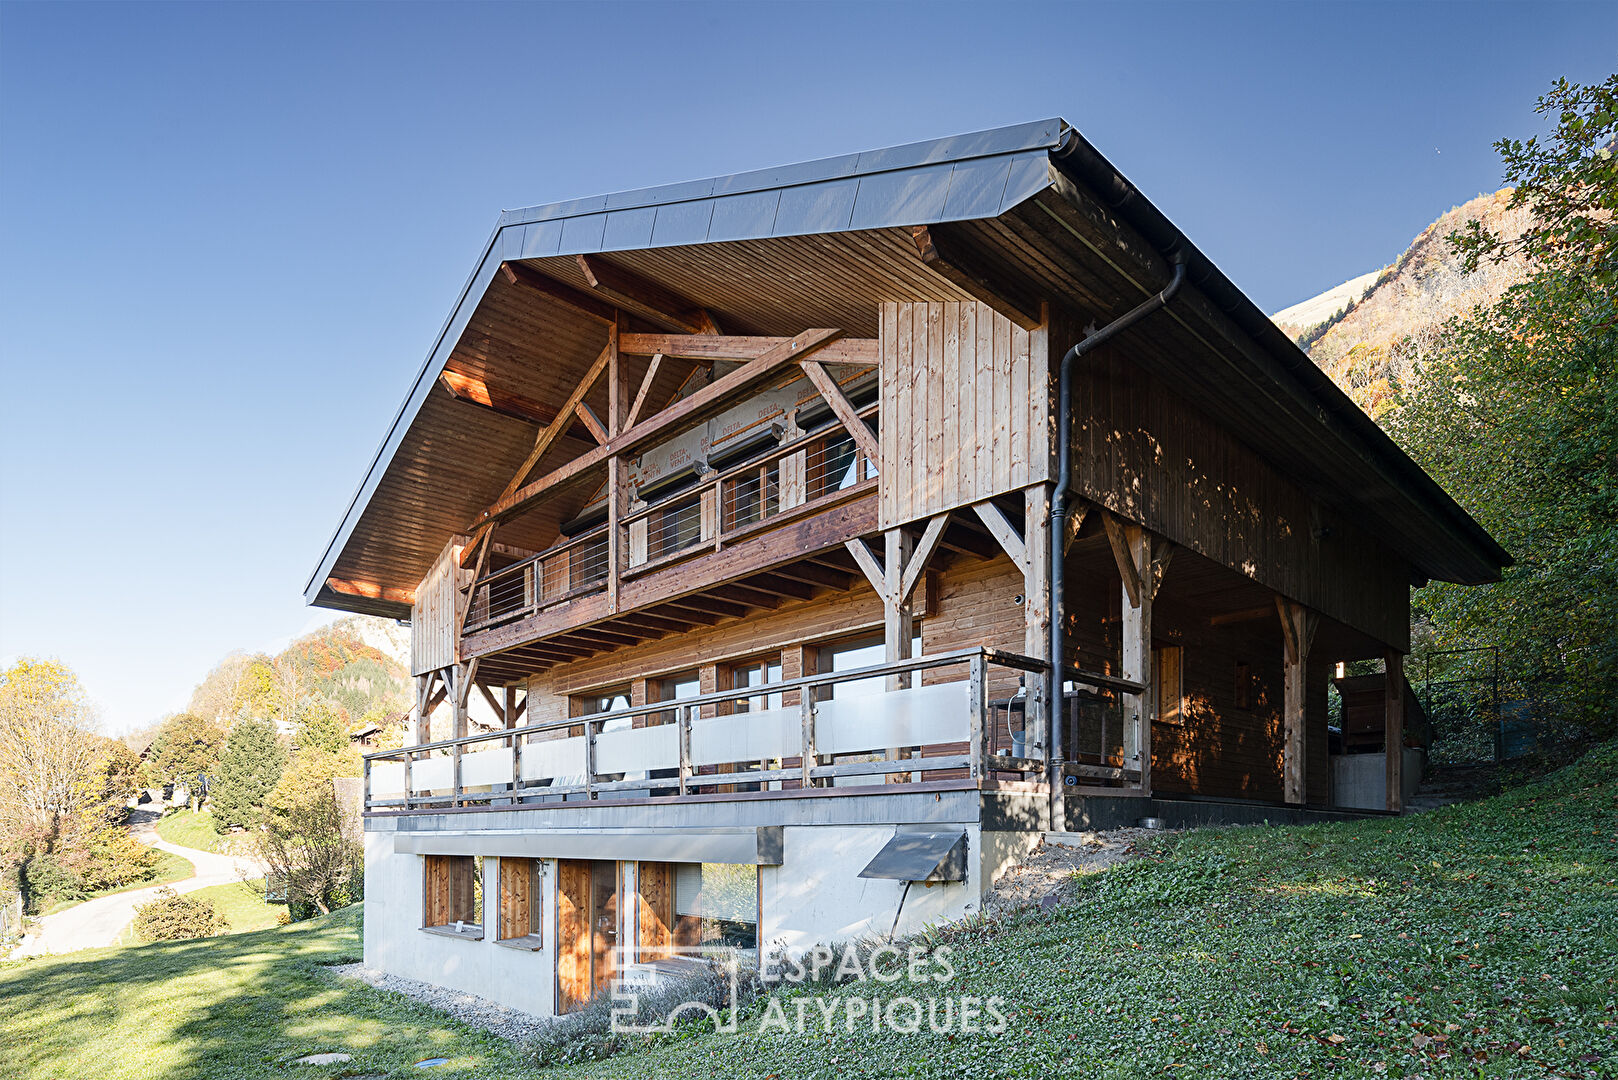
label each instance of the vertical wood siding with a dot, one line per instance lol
(966, 407)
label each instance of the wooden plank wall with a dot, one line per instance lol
(1144, 452)
(656, 910)
(436, 617)
(966, 408)
(573, 937)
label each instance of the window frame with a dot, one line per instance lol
(512, 869)
(470, 928)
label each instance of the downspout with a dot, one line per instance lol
(1054, 707)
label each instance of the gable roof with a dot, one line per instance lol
(858, 209)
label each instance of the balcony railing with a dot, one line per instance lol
(959, 713)
(814, 472)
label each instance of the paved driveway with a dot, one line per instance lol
(99, 922)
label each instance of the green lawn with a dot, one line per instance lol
(192, 829)
(170, 868)
(1480, 940)
(242, 904)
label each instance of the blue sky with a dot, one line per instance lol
(228, 233)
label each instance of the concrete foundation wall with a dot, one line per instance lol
(816, 895)
(396, 943)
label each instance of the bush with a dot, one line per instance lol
(46, 881)
(172, 917)
(114, 859)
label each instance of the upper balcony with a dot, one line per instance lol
(740, 535)
(951, 720)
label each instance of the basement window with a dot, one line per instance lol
(521, 902)
(452, 896)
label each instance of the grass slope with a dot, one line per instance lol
(1481, 939)
(237, 1007)
(192, 829)
(242, 904)
(1476, 940)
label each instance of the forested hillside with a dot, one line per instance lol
(1368, 333)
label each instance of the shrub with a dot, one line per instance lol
(172, 917)
(114, 858)
(45, 881)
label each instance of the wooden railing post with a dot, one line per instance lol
(367, 784)
(455, 789)
(806, 714)
(683, 718)
(977, 705)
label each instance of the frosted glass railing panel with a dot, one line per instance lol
(491, 766)
(635, 750)
(387, 779)
(753, 736)
(432, 774)
(919, 717)
(551, 758)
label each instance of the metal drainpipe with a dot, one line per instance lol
(1054, 710)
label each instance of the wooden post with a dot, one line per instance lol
(1037, 616)
(1298, 625)
(366, 804)
(898, 623)
(806, 714)
(589, 759)
(1394, 737)
(616, 548)
(1136, 663)
(516, 743)
(409, 757)
(683, 718)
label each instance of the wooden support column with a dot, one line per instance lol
(898, 622)
(1298, 625)
(617, 543)
(1037, 616)
(1142, 560)
(420, 711)
(1394, 737)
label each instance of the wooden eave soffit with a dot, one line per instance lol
(371, 591)
(950, 256)
(641, 296)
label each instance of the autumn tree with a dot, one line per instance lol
(304, 844)
(186, 751)
(48, 752)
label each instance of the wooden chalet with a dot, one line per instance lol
(733, 502)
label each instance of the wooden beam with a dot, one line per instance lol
(1075, 522)
(549, 287)
(1120, 542)
(371, 591)
(598, 430)
(474, 390)
(641, 296)
(721, 347)
(942, 252)
(868, 564)
(845, 410)
(645, 388)
(711, 399)
(1011, 541)
(776, 585)
(919, 556)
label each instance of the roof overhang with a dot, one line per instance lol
(854, 214)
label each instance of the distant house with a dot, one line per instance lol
(369, 736)
(743, 504)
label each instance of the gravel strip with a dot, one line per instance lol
(480, 1012)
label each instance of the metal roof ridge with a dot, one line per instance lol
(991, 142)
